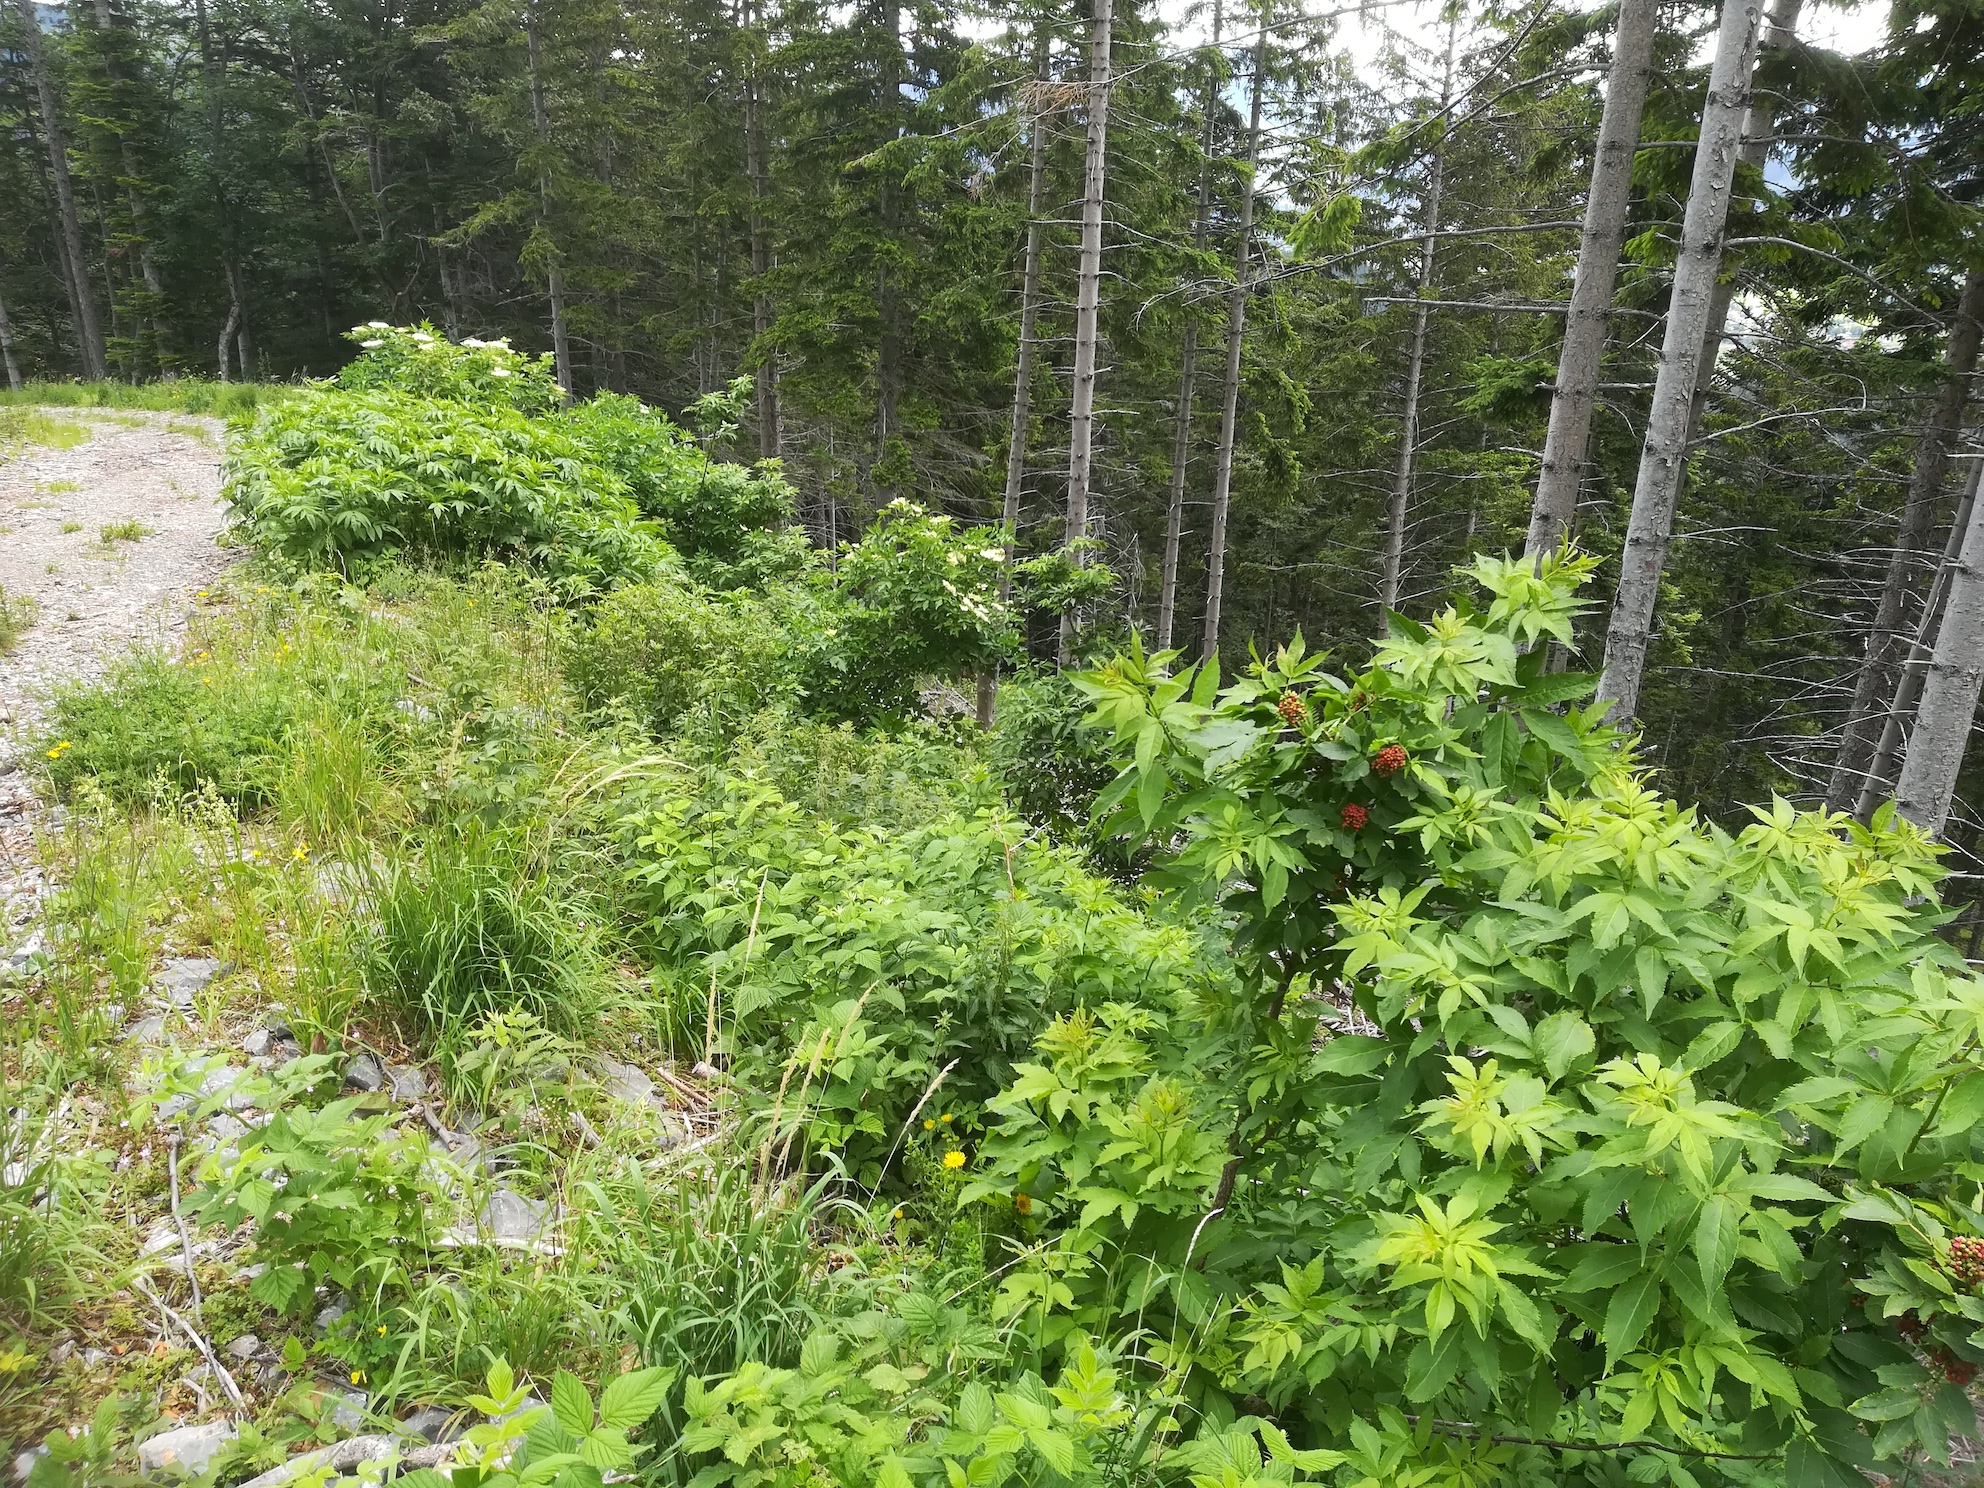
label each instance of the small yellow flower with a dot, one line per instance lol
(302, 851)
(358, 1376)
(896, 1215)
(382, 1330)
(61, 749)
(1023, 1203)
(946, 1117)
(953, 1160)
(929, 1125)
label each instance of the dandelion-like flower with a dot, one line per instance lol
(61, 749)
(953, 1160)
(1022, 1204)
(929, 1125)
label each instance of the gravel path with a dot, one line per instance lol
(96, 598)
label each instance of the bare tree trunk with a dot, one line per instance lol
(1759, 129)
(1586, 323)
(224, 352)
(14, 380)
(1400, 508)
(1909, 690)
(1236, 335)
(1081, 417)
(1009, 511)
(1949, 692)
(82, 302)
(237, 308)
(888, 296)
(1181, 432)
(1906, 563)
(769, 440)
(1665, 455)
(554, 276)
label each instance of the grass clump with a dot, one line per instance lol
(127, 531)
(179, 395)
(19, 426)
(18, 613)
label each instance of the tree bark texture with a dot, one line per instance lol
(14, 380)
(82, 302)
(1399, 510)
(1949, 692)
(1589, 315)
(1236, 336)
(1665, 454)
(1876, 677)
(1181, 430)
(1081, 415)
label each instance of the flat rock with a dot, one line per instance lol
(182, 978)
(364, 1073)
(148, 1030)
(341, 1457)
(185, 1451)
(328, 1318)
(432, 1423)
(348, 1410)
(257, 1044)
(507, 1216)
(24, 1464)
(408, 1083)
(626, 1083)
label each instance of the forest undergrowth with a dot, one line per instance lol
(550, 958)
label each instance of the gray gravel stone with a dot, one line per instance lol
(343, 1457)
(244, 1347)
(185, 1451)
(182, 978)
(409, 1083)
(257, 1043)
(363, 1073)
(432, 1423)
(509, 1216)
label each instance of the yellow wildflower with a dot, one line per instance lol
(947, 1117)
(954, 1160)
(929, 1125)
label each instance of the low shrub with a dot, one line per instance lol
(345, 480)
(669, 650)
(1050, 760)
(417, 361)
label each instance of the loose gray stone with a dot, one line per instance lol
(348, 1411)
(186, 1451)
(244, 1347)
(409, 1083)
(24, 1464)
(343, 1457)
(94, 1359)
(147, 1030)
(626, 1083)
(509, 1216)
(225, 1128)
(363, 1073)
(182, 978)
(257, 1043)
(432, 1423)
(62, 1353)
(328, 1318)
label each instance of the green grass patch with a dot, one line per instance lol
(182, 395)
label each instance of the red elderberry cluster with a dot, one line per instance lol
(1911, 1327)
(1353, 817)
(1955, 1370)
(1292, 709)
(1967, 1259)
(1389, 760)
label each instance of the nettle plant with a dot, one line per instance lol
(1557, 1134)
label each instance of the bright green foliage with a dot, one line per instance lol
(1547, 1108)
(672, 650)
(485, 374)
(729, 522)
(571, 1443)
(850, 966)
(343, 480)
(336, 1197)
(917, 597)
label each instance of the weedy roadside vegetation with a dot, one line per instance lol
(1357, 1076)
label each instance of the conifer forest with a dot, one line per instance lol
(947, 743)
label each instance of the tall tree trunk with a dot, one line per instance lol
(1236, 335)
(889, 375)
(1081, 415)
(554, 274)
(7, 350)
(1906, 563)
(1400, 509)
(1181, 429)
(237, 309)
(1036, 188)
(1586, 323)
(1949, 692)
(1658, 486)
(224, 352)
(766, 383)
(82, 302)
(1908, 691)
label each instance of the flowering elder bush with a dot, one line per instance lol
(1556, 1135)
(417, 360)
(916, 598)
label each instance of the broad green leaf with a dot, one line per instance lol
(631, 1398)
(1563, 1039)
(571, 1406)
(1715, 1239)
(1626, 1317)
